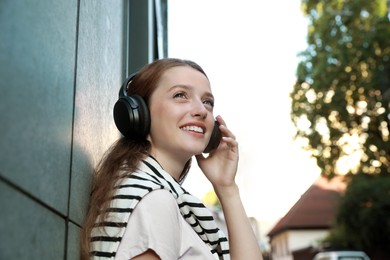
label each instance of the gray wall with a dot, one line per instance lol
(61, 66)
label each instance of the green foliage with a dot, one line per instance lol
(340, 107)
(340, 102)
(363, 221)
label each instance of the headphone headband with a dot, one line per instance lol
(125, 85)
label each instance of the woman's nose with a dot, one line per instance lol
(199, 110)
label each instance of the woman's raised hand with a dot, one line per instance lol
(220, 167)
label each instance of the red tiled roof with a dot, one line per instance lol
(315, 209)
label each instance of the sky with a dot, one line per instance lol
(249, 50)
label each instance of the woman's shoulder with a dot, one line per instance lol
(157, 200)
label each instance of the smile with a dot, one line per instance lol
(193, 129)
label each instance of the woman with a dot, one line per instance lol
(138, 209)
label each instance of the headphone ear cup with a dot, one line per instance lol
(143, 124)
(131, 116)
(215, 139)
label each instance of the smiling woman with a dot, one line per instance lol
(186, 105)
(138, 208)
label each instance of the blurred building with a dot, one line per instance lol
(296, 236)
(61, 66)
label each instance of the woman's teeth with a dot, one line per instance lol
(193, 128)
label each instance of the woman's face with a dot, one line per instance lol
(181, 110)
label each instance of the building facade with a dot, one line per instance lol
(298, 235)
(61, 66)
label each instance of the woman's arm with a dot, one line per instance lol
(242, 240)
(220, 167)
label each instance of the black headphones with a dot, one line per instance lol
(132, 117)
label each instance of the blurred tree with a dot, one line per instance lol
(210, 199)
(340, 102)
(363, 222)
(340, 107)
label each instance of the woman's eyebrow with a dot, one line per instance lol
(186, 87)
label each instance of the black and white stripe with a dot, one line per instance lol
(107, 235)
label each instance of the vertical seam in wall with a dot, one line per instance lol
(126, 40)
(151, 31)
(67, 220)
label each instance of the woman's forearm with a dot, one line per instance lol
(242, 240)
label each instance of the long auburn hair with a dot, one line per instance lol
(124, 153)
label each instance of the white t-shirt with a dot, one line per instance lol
(156, 223)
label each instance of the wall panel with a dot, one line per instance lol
(100, 70)
(37, 58)
(28, 230)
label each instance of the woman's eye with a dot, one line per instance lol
(179, 95)
(209, 102)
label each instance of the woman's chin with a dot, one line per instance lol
(195, 150)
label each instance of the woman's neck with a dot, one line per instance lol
(173, 165)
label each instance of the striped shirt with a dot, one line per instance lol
(107, 235)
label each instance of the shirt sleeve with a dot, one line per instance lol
(154, 224)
